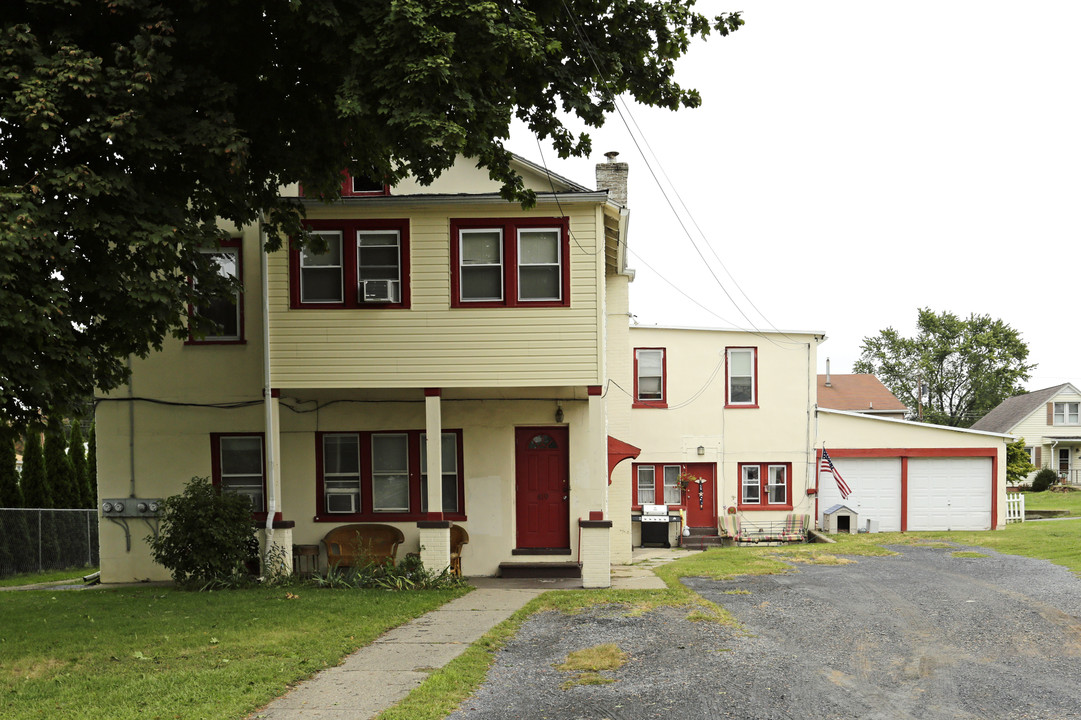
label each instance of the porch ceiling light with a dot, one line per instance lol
(559, 411)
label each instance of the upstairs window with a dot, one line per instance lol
(510, 263)
(365, 264)
(1066, 413)
(227, 313)
(649, 378)
(741, 371)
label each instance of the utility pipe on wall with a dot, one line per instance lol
(269, 434)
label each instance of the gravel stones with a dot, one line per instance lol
(921, 635)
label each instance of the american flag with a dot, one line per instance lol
(826, 466)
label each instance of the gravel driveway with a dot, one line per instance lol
(921, 635)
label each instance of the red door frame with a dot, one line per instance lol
(542, 511)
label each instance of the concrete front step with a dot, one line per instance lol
(702, 530)
(540, 570)
(700, 542)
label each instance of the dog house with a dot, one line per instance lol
(841, 519)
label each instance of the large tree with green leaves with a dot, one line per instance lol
(129, 128)
(955, 370)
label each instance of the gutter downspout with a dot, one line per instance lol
(271, 439)
(131, 429)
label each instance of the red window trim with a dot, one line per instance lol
(349, 229)
(510, 227)
(763, 480)
(346, 189)
(366, 513)
(215, 463)
(656, 404)
(727, 380)
(658, 484)
(239, 245)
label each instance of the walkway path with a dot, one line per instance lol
(381, 674)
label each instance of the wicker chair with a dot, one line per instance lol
(458, 538)
(362, 544)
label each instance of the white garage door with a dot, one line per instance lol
(876, 490)
(949, 494)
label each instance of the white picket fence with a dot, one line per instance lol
(1015, 507)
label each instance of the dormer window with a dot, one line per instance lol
(360, 186)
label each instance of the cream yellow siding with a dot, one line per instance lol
(433, 344)
(779, 430)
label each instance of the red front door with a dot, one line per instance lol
(542, 487)
(701, 508)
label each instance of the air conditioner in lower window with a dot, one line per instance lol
(341, 503)
(379, 290)
(254, 495)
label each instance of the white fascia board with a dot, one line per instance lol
(910, 423)
(484, 199)
(752, 331)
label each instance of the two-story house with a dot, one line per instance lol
(1050, 422)
(438, 358)
(741, 412)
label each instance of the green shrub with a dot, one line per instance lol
(409, 574)
(205, 536)
(1044, 479)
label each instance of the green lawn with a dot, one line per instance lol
(161, 653)
(1070, 501)
(74, 574)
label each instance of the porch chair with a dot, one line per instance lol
(458, 538)
(362, 544)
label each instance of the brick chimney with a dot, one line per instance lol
(612, 176)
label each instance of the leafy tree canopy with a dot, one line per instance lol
(965, 367)
(128, 128)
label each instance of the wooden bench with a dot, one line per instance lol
(362, 544)
(792, 529)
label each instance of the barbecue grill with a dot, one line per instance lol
(655, 520)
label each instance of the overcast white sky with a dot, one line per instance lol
(853, 161)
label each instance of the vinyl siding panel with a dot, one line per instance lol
(432, 344)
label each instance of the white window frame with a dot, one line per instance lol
(771, 485)
(247, 488)
(397, 279)
(745, 482)
(650, 485)
(558, 264)
(671, 485)
(729, 376)
(340, 266)
(452, 473)
(1067, 413)
(329, 477)
(235, 252)
(639, 397)
(403, 472)
(502, 265)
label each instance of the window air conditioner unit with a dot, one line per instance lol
(341, 503)
(254, 495)
(379, 291)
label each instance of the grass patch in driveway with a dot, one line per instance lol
(590, 662)
(968, 554)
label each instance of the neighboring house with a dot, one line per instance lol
(727, 406)
(862, 393)
(442, 361)
(1050, 422)
(737, 409)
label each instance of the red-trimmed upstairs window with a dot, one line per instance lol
(365, 264)
(523, 262)
(355, 186)
(650, 378)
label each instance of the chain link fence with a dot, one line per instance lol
(34, 540)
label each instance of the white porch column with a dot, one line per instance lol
(434, 531)
(276, 532)
(596, 531)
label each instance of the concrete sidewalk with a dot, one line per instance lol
(381, 674)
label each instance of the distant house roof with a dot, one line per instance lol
(858, 393)
(1013, 410)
